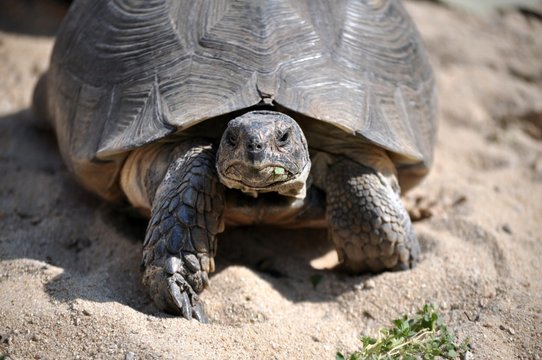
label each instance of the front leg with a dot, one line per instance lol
(180, 242)
(368, 223)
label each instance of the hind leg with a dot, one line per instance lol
(368, 223)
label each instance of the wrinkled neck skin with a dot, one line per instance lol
(264, 151)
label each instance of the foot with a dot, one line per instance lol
(368, 223)
(180, 242)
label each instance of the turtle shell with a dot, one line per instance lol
(125, 73)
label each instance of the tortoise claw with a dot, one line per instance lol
(199, 313)
(177, 293)
(180, 299)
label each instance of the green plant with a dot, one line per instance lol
(424, 336)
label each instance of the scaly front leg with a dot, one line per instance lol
(180, 242)
(368, 223)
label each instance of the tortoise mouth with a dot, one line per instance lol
(258, 177)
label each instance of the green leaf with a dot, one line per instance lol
(452, 354)
(368, 340)
(423, 336)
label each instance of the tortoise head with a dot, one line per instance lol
(264, 151)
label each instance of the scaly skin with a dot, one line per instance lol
(180, 242)
(367, 222)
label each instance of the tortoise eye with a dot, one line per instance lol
(284, 137)
(232, 139)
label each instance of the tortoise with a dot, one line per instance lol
(206, 114)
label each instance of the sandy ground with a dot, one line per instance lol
(69, 278)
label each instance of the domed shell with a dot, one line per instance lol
(125, 73)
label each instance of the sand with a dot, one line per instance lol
(69, 262)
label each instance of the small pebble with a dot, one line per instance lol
(369, 284)
(86, 312)
(129, 356)
(506, 228)
(358, 286)
(508, 329)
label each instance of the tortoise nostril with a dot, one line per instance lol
(254, 146)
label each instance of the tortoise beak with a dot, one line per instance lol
(258, 177)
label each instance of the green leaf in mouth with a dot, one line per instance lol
(279, 170)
